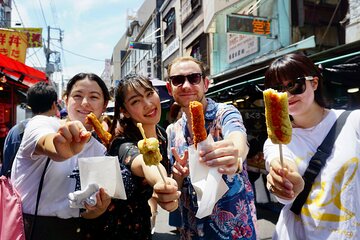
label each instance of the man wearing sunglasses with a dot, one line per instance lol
(188, 82)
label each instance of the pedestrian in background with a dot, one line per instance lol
(61, 142)
(331, 210)
(234, 215)
(42, 99)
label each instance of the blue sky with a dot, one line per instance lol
(91, 29)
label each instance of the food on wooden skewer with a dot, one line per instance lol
(277, 118)
(149, 148)
(100, 131)
(197, 122)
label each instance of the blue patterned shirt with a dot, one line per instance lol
(234, 215)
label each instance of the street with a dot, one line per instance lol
(267, 217)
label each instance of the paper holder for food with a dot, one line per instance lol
(207, 181)
(104, 171)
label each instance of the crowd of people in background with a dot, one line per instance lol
(47, 147)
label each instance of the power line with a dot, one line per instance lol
(77, 54)
(54, 12)
(42, 11)
(23, 24)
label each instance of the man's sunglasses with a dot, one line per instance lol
(194, 78)
(295, 87)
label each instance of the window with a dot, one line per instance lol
(170, 20)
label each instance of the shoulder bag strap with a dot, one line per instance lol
(38, 197)
(318, 161)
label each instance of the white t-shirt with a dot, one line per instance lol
(332, 209)
(28, 168)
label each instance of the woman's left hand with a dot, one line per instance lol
(167, 195)
(103, 200)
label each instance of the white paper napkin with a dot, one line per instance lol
(207, 181)
(104, 171)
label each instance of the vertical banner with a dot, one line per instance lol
(13, 44)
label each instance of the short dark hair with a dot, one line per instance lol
(40, 97)
(292, 66)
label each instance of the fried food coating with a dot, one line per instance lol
(277, 116)
(149, 148)
(197, 122)
(100, 131)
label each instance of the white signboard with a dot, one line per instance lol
(240, 45)
(170, 49)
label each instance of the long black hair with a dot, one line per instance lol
(127, 127)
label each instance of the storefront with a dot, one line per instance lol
(15, 79)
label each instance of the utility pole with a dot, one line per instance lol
(53, 58)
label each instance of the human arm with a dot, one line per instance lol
(167, 195)
(68, 141)
(284, 182)
(227, 154)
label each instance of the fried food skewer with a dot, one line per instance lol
(197, 122)
(100, 131)
(149, 148)
(277, 118)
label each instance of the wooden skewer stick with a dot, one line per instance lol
(281, 155)
(139, 125)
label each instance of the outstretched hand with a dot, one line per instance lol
(221, 154)
(70, 139)
(285, 183)
(167, 195)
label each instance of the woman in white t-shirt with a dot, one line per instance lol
(331, 210)
(63, 141)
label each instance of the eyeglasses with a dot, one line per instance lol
(295, 87)
(194, 78)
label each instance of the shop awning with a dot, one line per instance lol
(20, 72)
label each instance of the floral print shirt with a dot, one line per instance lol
(234, 215)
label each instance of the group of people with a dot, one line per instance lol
(329, 212)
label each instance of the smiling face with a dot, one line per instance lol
(185, 93)
(85, 96)
(142, 105)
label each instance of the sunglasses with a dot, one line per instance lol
(194, 78)
(295, 87)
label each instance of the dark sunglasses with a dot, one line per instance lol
(295, 87)
(194, 78)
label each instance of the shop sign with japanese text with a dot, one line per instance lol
(13, 44)
(34, 36)
(245, 24)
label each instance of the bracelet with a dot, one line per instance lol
(239, 169)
